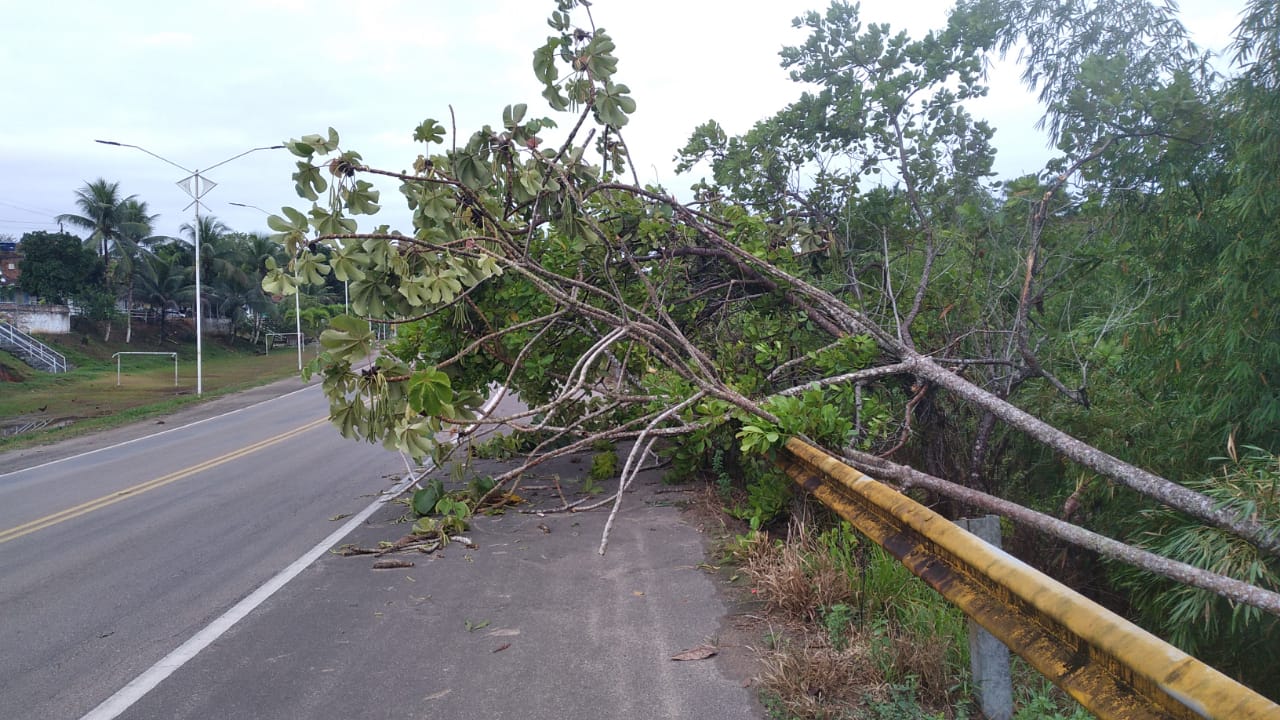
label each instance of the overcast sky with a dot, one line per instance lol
(198, 83)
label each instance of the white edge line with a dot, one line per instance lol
(154, 434)
(124, 698)
(483, 415)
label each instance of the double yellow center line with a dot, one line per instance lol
(115, 497)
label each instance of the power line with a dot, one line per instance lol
(23, 208)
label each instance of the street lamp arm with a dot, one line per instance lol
(246, 152)
(138, 147)
(188, 170)
(196, 193)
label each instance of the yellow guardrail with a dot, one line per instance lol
(1110, 666)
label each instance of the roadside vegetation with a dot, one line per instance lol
(135, 292)
(844, 631)
(1094, 343)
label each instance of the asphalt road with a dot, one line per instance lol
(112, 559)
(92, 597)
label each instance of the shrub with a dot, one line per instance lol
(1238, 639)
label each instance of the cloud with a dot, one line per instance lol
(199, 86)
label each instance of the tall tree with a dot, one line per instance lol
(916, 319)
(130, 251)
(100, 213)
(257, 252)
(483, 208)
(107, 217)
(210, 236)
(162, 282)
(57, 267)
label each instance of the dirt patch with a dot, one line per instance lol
(31, 423)
(10, 374)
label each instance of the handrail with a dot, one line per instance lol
(1109, 665)
(55, 361)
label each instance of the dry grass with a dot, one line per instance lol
(825, 665)
(927, 663)
(796, 579)
(809, 680)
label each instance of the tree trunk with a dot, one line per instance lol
(1135, 478)
(1226, 587)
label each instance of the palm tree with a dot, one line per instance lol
(162, 282)
(175, 248)
(211, 232)
(258, 247)
(99, 203)
(132, 247)
(108, 217)
(253, 251)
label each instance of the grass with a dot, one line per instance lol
(848, 633)
(87, 399)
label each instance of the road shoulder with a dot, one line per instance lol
(528, 622)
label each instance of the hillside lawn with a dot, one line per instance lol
(87, 399)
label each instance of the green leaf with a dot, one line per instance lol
(292, 229)
(544, 62)
(363, 198)
(415, 439)
(309, 181)
(472, 170)
(320, 143)
(311, 269)
(559, 21)
(276, 281)
(429, 131)
(331, 223)
(301, 149)
(555, 98)
(347, 264)
(295, 222)
(512, 115)
(439, 206)
(430, 392)
(347, 338)
(424, 501)
(368, 297)
(596, 58)
(416, 291)
(347, 417)
(613, 105)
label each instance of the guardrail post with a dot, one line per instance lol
(988, 657)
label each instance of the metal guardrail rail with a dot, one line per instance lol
(1109, 665)
(34, 352)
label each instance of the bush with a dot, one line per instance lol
(1240, 640)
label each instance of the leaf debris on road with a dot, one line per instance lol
(701, 652)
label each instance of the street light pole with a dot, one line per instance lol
(297, 293)
(192, 185)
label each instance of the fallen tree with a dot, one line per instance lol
(754, 310)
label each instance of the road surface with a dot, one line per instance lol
(109, 559)
(114, 560)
